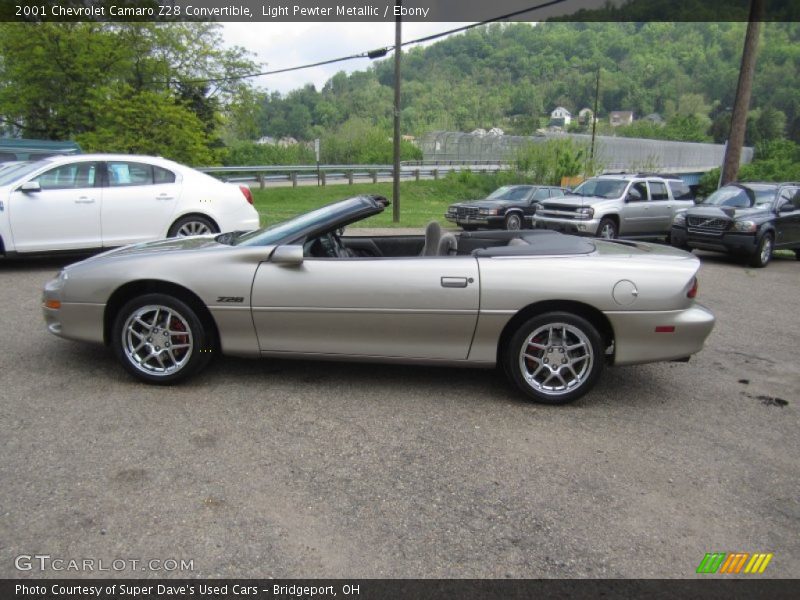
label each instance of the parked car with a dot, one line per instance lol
(509, 207)
(92, 201)
(637, 206)
(299, 290)
(747, 219)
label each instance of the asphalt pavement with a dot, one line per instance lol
(312, 469)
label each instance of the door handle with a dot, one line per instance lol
(164, 197)
(84, 200)
(454, 282)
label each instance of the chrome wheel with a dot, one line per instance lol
(157, 340)
(193, 228)
(513, 223)
(607, 230)
(556, 359)
(766, 250)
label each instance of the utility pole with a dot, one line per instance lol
(733, 150)
(594, 116)
(396, 181)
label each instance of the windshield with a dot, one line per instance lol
(739, 196)
(510, 192)
(12, 172)
(604, 188)
(316, 218)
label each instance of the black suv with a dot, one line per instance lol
(509, 207)
(749, 219)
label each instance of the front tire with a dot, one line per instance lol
(513, 222)
(555, 358)
(160, 339)
(608, 229)
(763, 253)
(192, 225)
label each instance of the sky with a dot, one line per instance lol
(281, 45)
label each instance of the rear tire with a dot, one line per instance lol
(160, 339)
(555, 358)
(763, 252)
(608, 229)
(192, 225)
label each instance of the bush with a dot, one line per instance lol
(250, 153)
(550, 161)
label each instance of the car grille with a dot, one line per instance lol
(467, 211)
(558, 210)
(708, 225)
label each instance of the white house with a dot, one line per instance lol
(561, 114)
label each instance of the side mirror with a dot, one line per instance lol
(787, 208)
(288, 255)
(30, 187)
(633, 197)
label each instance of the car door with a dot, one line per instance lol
(64, 214)
(659, 217)
(416, 307)
(139, 200)
(636, 210)
(787, 224)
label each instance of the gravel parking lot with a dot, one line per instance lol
(301, 469)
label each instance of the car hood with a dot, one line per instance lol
(574, 200)
(486, 203)
(183, 244)
(726, 212)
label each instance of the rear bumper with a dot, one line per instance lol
(739, 243)
(638, 341)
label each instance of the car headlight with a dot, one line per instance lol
(487, 211)
(679, 220)
(586, 212)
(452, 210)
(747, 226)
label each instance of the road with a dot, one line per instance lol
(304, 469)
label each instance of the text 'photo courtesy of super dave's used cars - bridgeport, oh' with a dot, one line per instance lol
(552, 309)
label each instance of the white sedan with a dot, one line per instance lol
(94, 201)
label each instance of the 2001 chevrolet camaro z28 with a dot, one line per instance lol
(552, 309)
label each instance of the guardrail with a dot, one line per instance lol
(323, 173)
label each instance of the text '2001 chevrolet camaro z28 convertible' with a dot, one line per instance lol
(552, 309)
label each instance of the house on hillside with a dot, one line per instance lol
(266, 140)
(620, 117)
(585, 116)
(287, 141)
(560, 117)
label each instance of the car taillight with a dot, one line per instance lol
(248, 195)
(693, 291)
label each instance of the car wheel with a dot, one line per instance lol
(607, 229)
(160, 339)
(555, 358)
(513, 222)
(192, 225)
(763, 253)
(797, 254)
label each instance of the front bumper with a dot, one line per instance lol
(733, 242)
(481, 221)
(682, 333)
(576, 226)
(71, 320)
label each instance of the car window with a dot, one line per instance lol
(162, 175)
(541, 194)
(638, 192)
(741, 196)
(796, 197)
(69, 177)
(658, 191)
(122, 174)
(510, 193)
(556, 193)
(680, 191)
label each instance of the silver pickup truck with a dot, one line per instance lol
(609, 206)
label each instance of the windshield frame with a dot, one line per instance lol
(500, 193)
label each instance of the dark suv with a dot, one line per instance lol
(748, 219)
(509, 207)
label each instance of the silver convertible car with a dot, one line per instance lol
(552, 309)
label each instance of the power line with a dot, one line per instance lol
(378, 52)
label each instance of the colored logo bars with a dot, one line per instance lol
(734, 563)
